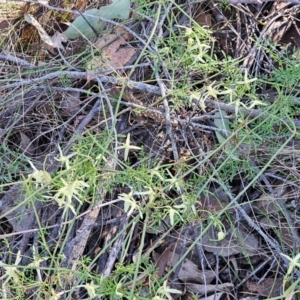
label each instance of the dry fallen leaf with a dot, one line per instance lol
(115, 55)
(19, 217)
(188, 272)
(57, 40)
(236, 241)
(214, 201)
(124, 33)
(202, 18)
(281, 229)
(70, 104)
(268, 288)
(43, 34)
(161, 261)
(26, 145)
(267, 204)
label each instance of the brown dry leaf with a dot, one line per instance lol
(237, 241)
(26, 145)
(286, 235)
(113, 56)
(266, 204)
(188, 272)
(269, 288)
(5, 24)
(202, 18)
(268, 223)
(18, 216)
(70, 104)
(214, 201)
(124, 33)
(161, 261)
(282, 230)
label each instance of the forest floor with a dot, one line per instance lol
(149, 150)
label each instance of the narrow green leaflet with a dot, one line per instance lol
(90, 26)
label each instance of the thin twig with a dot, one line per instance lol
(83, 75)
(12, 58)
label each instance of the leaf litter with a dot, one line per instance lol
(221, 254)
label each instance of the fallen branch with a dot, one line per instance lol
(83, 75)
(153, 89)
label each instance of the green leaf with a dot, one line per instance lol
(118, 9)
(90, 26)
(221, 123)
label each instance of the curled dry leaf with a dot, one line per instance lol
(43, 34)
(57, 40)
(189, 272)
(161, 261)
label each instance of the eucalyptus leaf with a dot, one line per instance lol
(223, 124)
(89, 25)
